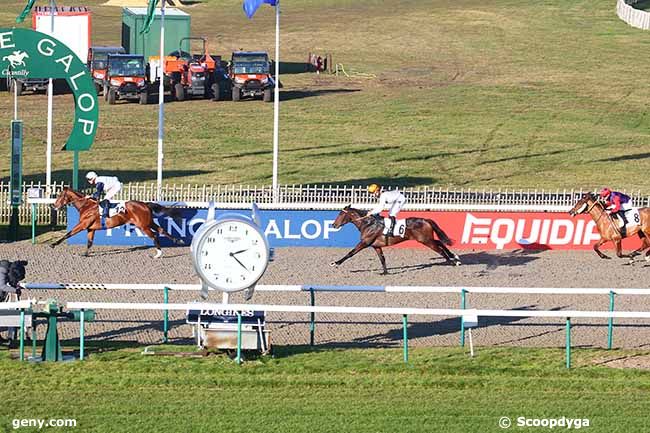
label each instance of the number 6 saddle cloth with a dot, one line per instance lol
(399, 230)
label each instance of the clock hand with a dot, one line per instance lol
(238, 261)
(239, 252)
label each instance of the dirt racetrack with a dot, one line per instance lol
(310, 266)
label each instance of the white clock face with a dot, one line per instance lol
(232, 255)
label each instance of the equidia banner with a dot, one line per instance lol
(312, 228)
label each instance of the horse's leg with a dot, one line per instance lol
(154, 236)
(361, 245)
(91, 237)
(76, 229)
(644, 244)
(162, 231)
(452, 257)
(597, 249)
(619, 251)
(382, 259)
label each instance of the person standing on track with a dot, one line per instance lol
(108, 185)
(394, 200)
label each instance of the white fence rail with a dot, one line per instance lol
(631, 15)
(319, 197)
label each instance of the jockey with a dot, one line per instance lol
(617, 203)
(109, 185)
(394, 200)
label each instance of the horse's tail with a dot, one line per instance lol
(441, 234)
(171, 212)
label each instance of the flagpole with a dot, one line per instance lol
(50, 109)
(161, 101)
(276, 104)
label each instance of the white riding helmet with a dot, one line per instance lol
(91, 175)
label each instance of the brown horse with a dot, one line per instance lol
(136, 212)
(608, 229)
(419, 229)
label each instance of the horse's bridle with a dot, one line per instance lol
(346, 211)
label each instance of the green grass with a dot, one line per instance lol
(329, 390)
(467, 94)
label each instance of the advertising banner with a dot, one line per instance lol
(314, 228)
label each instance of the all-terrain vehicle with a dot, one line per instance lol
(250, 75)
(125, 78)
(97, 63)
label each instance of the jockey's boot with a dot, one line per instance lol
(624, 219)
(105, 204)
(391, 228)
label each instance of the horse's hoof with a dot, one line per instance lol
(181, 242)
(158, 255)
(52, 246)
(384, 273)
(457, 263)
(333, 264)
(647, 258)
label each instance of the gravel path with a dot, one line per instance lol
(309, 266)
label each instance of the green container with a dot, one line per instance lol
(177, 26)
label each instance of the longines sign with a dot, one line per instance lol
(26, 54)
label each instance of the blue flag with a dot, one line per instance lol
(251, 6)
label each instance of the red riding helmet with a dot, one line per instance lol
(605, 192)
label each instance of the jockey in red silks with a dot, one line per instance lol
(617, 204)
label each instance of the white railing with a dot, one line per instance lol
(320, 197)
(631, 15)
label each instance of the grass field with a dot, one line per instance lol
(467, 94)
(440, 390)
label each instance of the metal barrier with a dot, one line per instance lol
(313, 288)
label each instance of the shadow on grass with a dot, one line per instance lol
(633, 157)
(396, 181)
(123, 175)
(300, 94)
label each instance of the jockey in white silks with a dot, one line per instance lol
(108, 185)
(393, 200)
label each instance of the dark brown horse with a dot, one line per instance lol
(608, 228)
(135, 212)
(419, 229)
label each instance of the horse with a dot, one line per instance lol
(608, 229)
(422, 230)
(135, 212)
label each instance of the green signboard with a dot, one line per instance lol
(16, 182)
(26, 54)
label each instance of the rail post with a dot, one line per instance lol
(34, 337)
(165, 314)
(568, 342)
(81, 334)
(22, 334)
(239, 337)
(406, 338)
(610, 321)
(33, 223)
(312, 317)
(463, 305)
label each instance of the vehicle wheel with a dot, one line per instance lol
(144, 98)
(105, 93)
(236, 94)
(216, 92)
(179, 92)
(268, 95)
(98, 89)
(112, 96)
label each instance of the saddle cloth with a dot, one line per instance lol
(399, 230)
(633, 218)
(113, 209)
